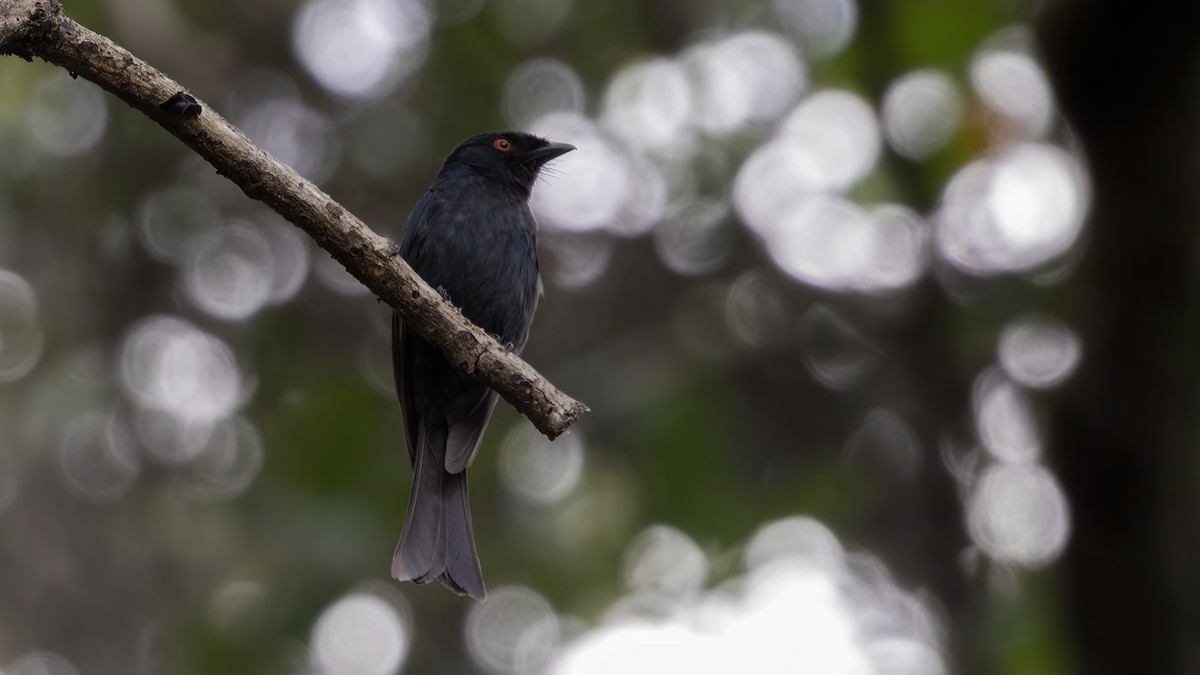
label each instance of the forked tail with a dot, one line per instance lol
(437, 541)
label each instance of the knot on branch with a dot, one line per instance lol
(182, 104)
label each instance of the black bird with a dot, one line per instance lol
(474, 239)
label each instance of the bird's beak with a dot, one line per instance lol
(550, 151)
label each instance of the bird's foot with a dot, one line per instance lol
(444, 293)
(507, 345)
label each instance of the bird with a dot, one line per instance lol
(473, 237)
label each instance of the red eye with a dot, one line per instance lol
(502, 144)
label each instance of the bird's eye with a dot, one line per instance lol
(502, 144)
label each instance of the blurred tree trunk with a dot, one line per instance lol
(1123, 432)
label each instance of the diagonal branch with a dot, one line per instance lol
(40, 28)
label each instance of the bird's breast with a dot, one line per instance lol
(483, 253)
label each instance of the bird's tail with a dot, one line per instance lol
(437, 541)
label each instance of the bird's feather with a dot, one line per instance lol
(421, 552)
(466, 428)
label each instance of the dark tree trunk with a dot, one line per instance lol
(1123, 436)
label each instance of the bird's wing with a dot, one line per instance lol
(400, 338)
(466, 419)
(412, 249)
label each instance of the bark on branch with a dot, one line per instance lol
(40, 28)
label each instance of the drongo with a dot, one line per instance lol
(474, 239)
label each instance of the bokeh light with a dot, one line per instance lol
(905, 657)
(827, 144)
(362, 48)
(834, 243)
(514, 633)
(540, 87)
(601, 188)
(662, 565)
(295, 134)
(41, 663)
(649, 201)
(840, 131)
(170, 439)
(1014, 212)
(97, 458)
(648, 104)
(170, 366)
(575, 526)
(172, 219)
(1004, 418)
(921, 111)
(756, 312)
(835, 352)
(1018, 514)
(1038, 351)
(227, 463)
(823, 27)
(801, 606)
(1013, 85)
(694, 239)
(743, 79)
(575, 260)
(290, 252)
(772, 181)
(360, 634)
(67, 117)
(538, 470)
(796, 539)
(230, 271)
(886, 443)
(20, 327)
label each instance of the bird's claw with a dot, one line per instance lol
(444, 293)
(507, 345)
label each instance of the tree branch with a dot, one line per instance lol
(40, 28)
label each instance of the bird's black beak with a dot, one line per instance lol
(550, 151)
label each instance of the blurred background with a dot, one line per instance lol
(886, 312)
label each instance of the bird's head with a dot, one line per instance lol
(511, 158)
